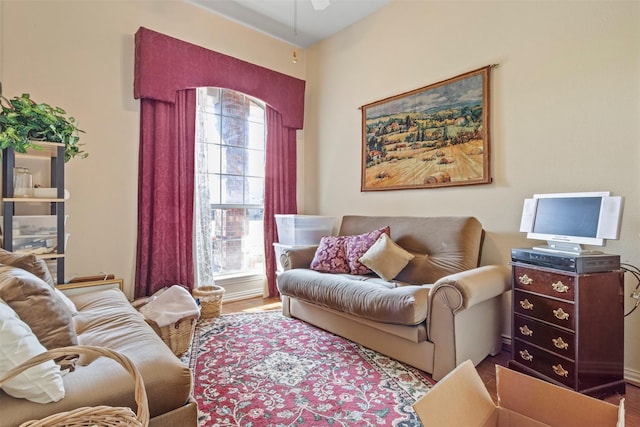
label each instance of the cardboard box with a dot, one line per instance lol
(460, 399)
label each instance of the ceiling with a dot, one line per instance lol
(276, 17)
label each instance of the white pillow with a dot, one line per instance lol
(386, 258)
(41, 383)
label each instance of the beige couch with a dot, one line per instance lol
(106, 318)
(439, 311)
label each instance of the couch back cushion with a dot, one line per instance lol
(441, 245)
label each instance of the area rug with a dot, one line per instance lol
(264, 369)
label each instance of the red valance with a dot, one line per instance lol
(165, 65)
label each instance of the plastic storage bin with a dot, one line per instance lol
(303, 230)
(36, 234)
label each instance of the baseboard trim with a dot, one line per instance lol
(235, 296)
(632, 377)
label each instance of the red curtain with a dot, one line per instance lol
(279, 186)
(164, 254)
(166, 72)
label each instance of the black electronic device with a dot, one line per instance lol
(588, 263)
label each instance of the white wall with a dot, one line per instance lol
(565, 111)
(80, 55)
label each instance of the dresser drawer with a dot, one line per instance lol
(543, 282)
(546, 363)
(549, 310)
(553, 339)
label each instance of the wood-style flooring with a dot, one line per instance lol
(486, 368)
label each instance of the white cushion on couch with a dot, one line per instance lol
(41, 383)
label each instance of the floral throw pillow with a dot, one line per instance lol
(330, 257)
(358, 245)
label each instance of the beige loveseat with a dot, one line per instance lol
(440, 310)
(106, 318)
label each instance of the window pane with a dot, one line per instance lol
(211, 128)
(234, 104)
(256, 112)
(214, 189)
(213, 158)
(254, 191)
(255, 163)
(212, 100)
(256, 136)
(228, 227)
(232, 190)
(233, 132)
(233, 160)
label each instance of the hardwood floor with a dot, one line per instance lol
(486, 368)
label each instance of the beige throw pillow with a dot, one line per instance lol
(33, 264)
(37, 304)
(386, 258)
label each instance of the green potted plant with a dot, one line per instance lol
(24, 122)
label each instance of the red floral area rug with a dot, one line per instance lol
(264, 369)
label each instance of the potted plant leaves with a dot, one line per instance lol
(24, 122)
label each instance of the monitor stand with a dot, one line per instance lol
(565, 248)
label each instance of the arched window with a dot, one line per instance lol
(229, 186)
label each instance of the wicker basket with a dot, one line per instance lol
(103, 416)
(178, 335)
(210, 298)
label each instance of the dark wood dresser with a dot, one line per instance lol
(568, 328)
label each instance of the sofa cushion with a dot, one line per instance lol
(386, 258)
(41, 383)
(32, 263)
(330, 255)
(368, 297)
(37, 304)
(358, 245)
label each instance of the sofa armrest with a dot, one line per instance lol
(477, 285)
(291, 258)
(465, 316)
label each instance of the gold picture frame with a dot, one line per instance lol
(435, 136)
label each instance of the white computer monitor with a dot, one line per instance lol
(569, 220)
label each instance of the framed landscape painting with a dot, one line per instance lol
(435, 136)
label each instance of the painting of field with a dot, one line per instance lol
(431, 137)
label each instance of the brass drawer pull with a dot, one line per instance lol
(526, 304)
(525, 280)
(560, 287)
(560, 314)
(526, 355)
(559, 343)
(559, 370)
(524, 330)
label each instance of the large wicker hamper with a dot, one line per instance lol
(178, 335)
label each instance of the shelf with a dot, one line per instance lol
(49, 150)
(49, 256)
(32, 199)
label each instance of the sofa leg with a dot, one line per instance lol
(286, 310)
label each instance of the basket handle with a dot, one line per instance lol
(140, 392)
